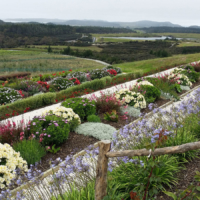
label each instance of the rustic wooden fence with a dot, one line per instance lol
(104, 154)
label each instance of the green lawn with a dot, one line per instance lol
(41, 62)
(147, 65)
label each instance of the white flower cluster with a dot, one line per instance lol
(61, 111)
(177, 70)
(180, 79)
(8, 95)
(143, 83)
(9, 161)
(134, 99)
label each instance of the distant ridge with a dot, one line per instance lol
(2, 22)
(101, 23)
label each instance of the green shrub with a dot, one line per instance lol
(81, 106)
(150, 93)
(50, 129)
(93, 118)
(8, 95)
(60, 83)
(98, 130)
(164, 86)
(176, 87)
(98, 84)
(192, 75)
(98, 73)
(108, 80)
(30, 150)
(134, 177)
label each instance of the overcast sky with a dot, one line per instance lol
(183, 12)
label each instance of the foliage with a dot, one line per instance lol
(131, 98)
(30, 87)
(117, 69)
(93, 118)
(106, 102)
(191, 192)
(81, 76)
(150, 93)
(98, 73)
(81, 106)
(10, 132)
(177, 87)
(53, 149)
(30, 150)
(67, 114)
(50, 129)
(133, 175)
(98, 130)
(8, 95)
(61, 83)
(180, 79)
(111, 116)
(10, 161)
(164, 86)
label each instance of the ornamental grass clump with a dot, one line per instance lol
(67, 114)
(30, 150)
(83, 107)
(8, 95)
(9, 162)
(128, 97)
(49, 129)
(106, 102)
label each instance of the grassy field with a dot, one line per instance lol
(147, 65)
(40, 62)
(188, 44)
(181, 35)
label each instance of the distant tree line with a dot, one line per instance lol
(165, 29)
(17, 34)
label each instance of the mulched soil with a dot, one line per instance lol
(185, 178)
(74, 144)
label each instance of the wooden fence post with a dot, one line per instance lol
(101, 170)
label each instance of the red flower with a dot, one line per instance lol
(56, 100)
(70, 70)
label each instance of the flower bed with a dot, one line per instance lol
(46, 99)
(125, 132)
